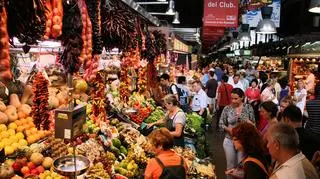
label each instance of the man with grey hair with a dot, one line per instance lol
(283, 143)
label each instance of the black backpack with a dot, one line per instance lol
(183, 97)
(172, 172)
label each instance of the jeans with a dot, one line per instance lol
(233, 156)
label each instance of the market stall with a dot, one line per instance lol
(77, 109)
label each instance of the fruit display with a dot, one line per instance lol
(144, 107)
(50, 174)
(34, 165)
(55, 148)
(5, 72)
(19, 133)
(54, 13)
(97, 171)
(91, 149)
(156, 115)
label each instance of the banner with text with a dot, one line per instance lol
(220, 13)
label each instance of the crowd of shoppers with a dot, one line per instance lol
(270, 131)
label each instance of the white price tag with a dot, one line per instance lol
(7, 91)
(67, 133)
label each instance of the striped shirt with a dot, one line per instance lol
(313, 123)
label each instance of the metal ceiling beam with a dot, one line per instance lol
(184, 30)
(152, 3)
(142, 11)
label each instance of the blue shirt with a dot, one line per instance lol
(219, 73)
(205, 79)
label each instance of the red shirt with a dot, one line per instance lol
(253, 94)
(224, 91)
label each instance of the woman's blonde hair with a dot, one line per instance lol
(161, 138)
(171, 99)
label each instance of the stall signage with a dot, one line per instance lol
(180, 46)
(220, 13)
(254, 16)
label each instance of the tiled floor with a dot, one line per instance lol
(215, 140)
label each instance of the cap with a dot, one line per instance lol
(211, 69)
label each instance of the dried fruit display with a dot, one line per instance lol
(93, 7)
(160, 42)
(150, 52)
(40, 111)
(5, 71)
(26, 20)
(118, 25)
(86, 53)
(142, 78)
(98, 100)
(71, 36)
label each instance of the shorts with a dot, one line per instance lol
(211, 101)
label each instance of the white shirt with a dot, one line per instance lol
(297, 167)
(267, 95)
(199, 100)
(238, 85)
(301, 104)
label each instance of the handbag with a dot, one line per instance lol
(238, 172)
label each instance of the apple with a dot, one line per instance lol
(16, 166)
(34, 172)
(25, 170)
(40, 169)
(31, 165)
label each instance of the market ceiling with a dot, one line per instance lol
(190, 13)
(295, 18)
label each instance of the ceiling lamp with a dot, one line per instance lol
(244, 35)
(171, 10)
(266, 25)
(314, 6)
(162, 0)
(176, 19)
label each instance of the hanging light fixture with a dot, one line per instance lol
(234, 40)
(171, 9)
(244, 35)
(314, 6)
(162, 0)
(197, 34)
(266, 25)
(176, 19)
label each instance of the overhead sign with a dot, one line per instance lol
(213, 31)
(254, 16)
(180, 46)
(221, 13)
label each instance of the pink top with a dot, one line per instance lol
(253, 94)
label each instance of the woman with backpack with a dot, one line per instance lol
(247, 139)
(167, 164)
